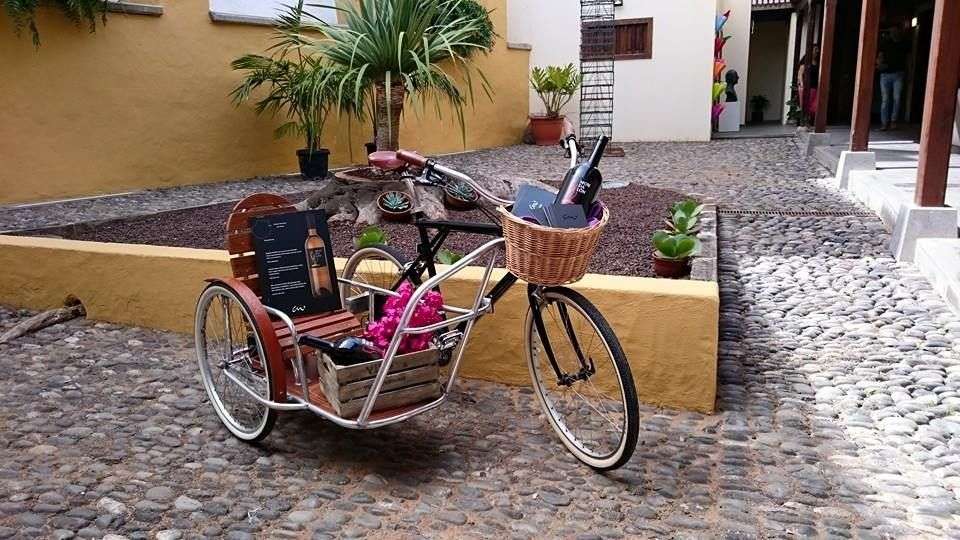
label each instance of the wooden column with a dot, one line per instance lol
(826, 64)
(866, 67)
(939, 104)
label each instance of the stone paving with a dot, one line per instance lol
(839, 410)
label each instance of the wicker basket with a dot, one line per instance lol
(547, 256)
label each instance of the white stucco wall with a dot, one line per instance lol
(789, 74)
(737, 51)
(768, 63)
(665, 98)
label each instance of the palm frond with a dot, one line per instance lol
(405, 41)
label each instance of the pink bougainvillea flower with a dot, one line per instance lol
(429, 310)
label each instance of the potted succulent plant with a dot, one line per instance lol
(685, 217)
(394, 206)
(556, 86)
(370, 236)
(673, 251)
(460, 195)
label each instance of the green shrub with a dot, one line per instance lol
(24, 13)
(371, 236)
(447, 256)
(482, 38)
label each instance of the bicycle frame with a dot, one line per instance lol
(462, 319)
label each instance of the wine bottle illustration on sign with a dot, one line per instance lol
(580, 185)
(317, 260)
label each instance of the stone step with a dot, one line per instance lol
(938, 259)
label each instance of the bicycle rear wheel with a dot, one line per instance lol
(227, 340)
(592, 402)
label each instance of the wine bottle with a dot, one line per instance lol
(348, 351)
(580, 186)
(316, 250)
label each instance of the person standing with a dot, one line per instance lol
(808, 75)
(892, 66)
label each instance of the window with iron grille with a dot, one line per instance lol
(632, 39)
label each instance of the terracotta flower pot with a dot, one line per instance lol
(546, 131)
(671, 268)
(393, 216)
(455, 202)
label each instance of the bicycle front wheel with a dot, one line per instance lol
(588, 393)
(380, 266)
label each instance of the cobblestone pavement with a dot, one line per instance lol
(838, 413)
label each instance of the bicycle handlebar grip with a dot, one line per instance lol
(412, 158)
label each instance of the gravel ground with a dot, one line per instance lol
(625, 248)
(151, 201)
(838, 400)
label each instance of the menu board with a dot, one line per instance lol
(295, 261)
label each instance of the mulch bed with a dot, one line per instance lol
(625, 248)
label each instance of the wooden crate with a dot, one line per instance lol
(413, 377)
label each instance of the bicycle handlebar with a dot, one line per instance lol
(417, 160)
(412, 158)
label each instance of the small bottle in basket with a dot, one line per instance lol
(580, 185)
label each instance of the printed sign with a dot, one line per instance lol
(295, 260)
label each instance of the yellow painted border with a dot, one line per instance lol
(668, 329)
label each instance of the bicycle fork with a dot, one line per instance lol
(587, 367)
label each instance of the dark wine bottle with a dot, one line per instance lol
(580, 186)
(348, 351)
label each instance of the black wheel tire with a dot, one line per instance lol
(627, 386)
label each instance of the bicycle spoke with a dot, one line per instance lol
(605, 417)
(228, 342)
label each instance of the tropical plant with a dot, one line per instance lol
(483, 37)
(447, 256)
(688, 207)
(370, 236)
(556, 86)
(759, 102)
(674, 246)
(793, 107)
(24, 14)
(684, 216)
(462, 191)
(395, 201)
(301, 87)
(386, 50)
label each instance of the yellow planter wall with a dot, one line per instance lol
(144, 103)
(668, 329)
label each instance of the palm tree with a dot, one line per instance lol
(389, 49)
(299, 86)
